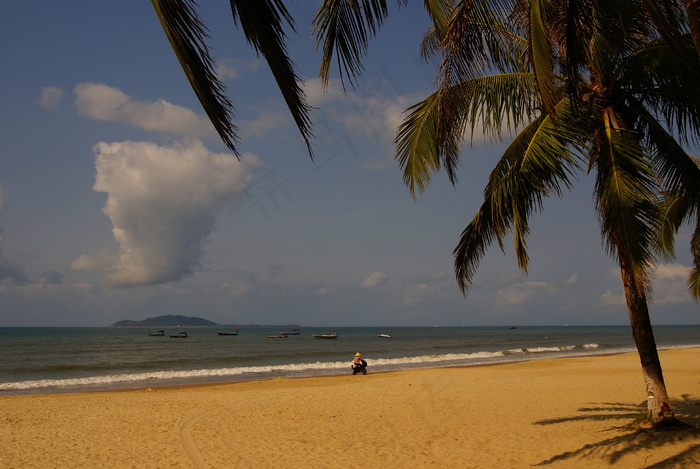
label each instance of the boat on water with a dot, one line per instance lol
(181, 335)
(325, 336)
(280, 336)
(384, 336)
(295, 331)
(156, 333)
(227, 333)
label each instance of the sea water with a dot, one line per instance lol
(53, 360)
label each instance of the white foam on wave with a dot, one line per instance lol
(304, 368)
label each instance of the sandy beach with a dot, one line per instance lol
(555, 413)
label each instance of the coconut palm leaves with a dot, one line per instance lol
(598, 86)
(537, 164)
(345, 27)
(262, 22)
(600, 89)
(611, 114)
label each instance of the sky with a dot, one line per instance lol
(118, 201)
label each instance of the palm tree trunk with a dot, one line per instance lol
(659, 409)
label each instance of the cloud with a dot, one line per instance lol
(232, 68)
(609, 298)
(574, 279)
(513, 296)
(419, 293)
(671, 272)
(106, 103)
(523, 292)
(377, 279)
(50, 97)
(374, 111)
(670, 285)
(10, 271)
(51, 278)
(163, 202)
(317, 95)
(267, 121)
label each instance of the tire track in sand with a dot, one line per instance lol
(188, 442)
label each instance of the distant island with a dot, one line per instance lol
(171, 320)
(168, 320)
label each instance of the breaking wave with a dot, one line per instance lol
(175, 377)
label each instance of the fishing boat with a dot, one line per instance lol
(227, 333)
(281, 336)
(295, 331)
(181, 335)
(325, 336)
(384, 336)
(156, 333)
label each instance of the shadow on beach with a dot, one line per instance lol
(630, 438)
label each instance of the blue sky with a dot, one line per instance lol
(118, 201)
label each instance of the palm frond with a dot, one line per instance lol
(440, 12)
(694, 277)
(667, 86)
(484, 229)
(692, 10)
(541, 54)
(625, 198)
(187, 36)
(417, 146)
(679, 173)
(262, 25)
(537, 164)
(479, 40)
(670, 22)
(576, 33)
(430, 45)
(345, 28)
(488, 106)
(432, 133)
(678, 170)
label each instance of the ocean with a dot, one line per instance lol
(76, 359)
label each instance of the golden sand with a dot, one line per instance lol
(560, 413)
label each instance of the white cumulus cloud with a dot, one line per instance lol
(670, 284)
(232, 68)
(671, 272)
(610, 298)
(163, 202)
(106, 103)
(574, 279)
(377, 279)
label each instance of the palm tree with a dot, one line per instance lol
(596, 86)
(596, 91)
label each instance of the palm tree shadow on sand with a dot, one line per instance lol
(631, 437)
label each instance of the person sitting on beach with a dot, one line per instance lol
(358, 360)
(359, 365)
